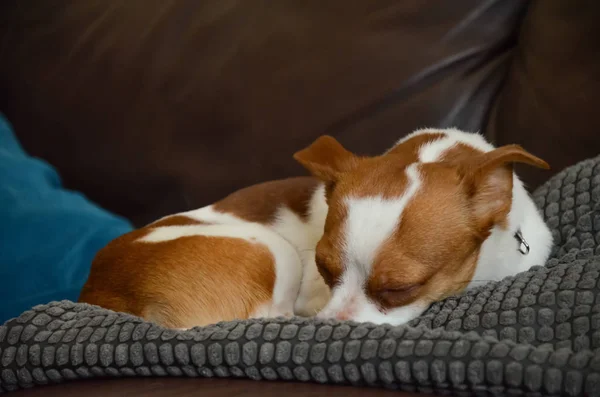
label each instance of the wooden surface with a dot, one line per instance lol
(174, 387)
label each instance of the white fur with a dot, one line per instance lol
(349, 301)
(499, 257)
(372, 220)
(370, 223)
(432, 151)
(304, 236)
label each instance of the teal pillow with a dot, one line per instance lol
(48, 234)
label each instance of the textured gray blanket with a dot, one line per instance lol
(535, 334)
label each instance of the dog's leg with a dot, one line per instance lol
(288, 271)
(314, 293)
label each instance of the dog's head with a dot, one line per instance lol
(405, 229)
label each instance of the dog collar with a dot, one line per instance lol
(523, 245)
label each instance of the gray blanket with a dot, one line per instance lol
(534, 334)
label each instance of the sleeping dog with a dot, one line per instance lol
(374, 239)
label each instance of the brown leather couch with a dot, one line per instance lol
(155, 106)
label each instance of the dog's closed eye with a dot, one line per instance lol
(398, 295)
(329, 278)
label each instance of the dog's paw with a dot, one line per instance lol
(310, 305)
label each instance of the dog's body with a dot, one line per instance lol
(374, 225)
(248, 255)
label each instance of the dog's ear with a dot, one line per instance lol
(488, 178)
(326, 159)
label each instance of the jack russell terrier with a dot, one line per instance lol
(372, 239)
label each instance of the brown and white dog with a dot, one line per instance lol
(374, 239)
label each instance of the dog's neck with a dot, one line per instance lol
(503, 253)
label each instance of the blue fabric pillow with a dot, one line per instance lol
(48, 235)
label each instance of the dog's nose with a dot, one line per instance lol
(343, 315)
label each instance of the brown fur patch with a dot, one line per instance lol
(434, 250)
(488, 180)
(176, 220)
(181, 283)
(409, 149)
(459, 154)
(462, 155)
(326, 159)
(382, 175)
(259, 203)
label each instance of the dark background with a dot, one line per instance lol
(151, 107)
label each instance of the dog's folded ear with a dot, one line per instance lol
(326, 159)
(509, 154)
(488, 178)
